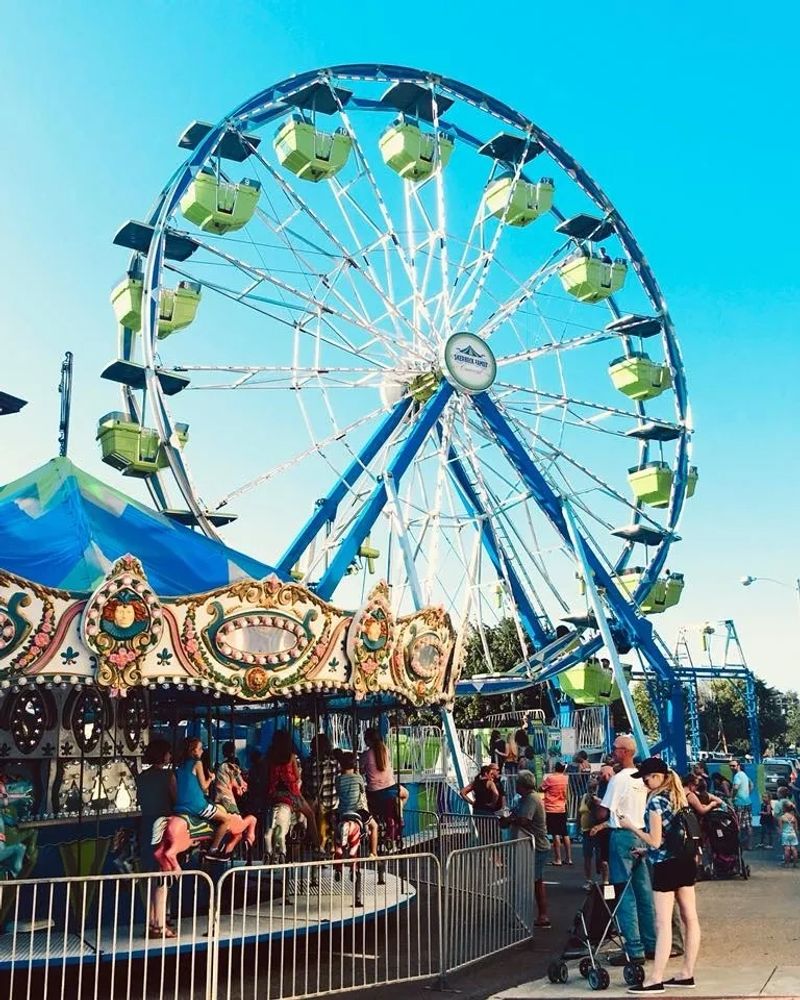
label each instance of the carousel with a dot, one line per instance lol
(101, 648)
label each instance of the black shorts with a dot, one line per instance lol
(557, 824)
(674, 873)
(601, 844)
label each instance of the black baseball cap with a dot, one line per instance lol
(653, 765)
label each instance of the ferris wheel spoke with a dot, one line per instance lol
(466, 315)
(566, 400)
(314, 308)
(441, 218)
(390, 228)
(352, 257)
(596, 337)
(475, 482)
(557, 452)
(254, 303)
(316, 448)
(510, 306)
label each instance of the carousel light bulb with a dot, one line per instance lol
(57, 679)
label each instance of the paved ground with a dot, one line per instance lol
(751, 944)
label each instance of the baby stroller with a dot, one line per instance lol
(725, 845)
(594, 929)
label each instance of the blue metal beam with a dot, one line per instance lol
(362, 525)
(581, 550)
(326, 507)
(494, 549)
(639, 630)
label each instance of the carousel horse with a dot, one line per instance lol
(347, 836)
(282, 822)
(177, 834)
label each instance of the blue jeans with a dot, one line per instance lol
(635, 916)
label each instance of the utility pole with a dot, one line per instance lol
(65, 390)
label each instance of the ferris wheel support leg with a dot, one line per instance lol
(497, 555)
(362, 525)
(639, 631)
(693, 717)
(581, 555)
(326, 508)
(751, 707)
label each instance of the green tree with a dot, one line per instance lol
(506, 653)
(644, 709)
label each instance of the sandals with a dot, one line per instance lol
(157, 931)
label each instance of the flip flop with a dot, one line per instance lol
(157, 931)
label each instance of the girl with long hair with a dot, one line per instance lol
(673, 877)
(284, 781)
(377, 769)
(193, 783)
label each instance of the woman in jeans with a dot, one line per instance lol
(673, 877)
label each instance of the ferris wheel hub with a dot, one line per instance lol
(468, 363)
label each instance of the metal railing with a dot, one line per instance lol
(488, 901)
(419, 750)
(459, 831)
(96, 936)
(577, 788)
(321, 927)
(273, 932)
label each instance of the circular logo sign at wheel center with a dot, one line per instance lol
(468, 363)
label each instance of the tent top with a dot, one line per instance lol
(62, 527)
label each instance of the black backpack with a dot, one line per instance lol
(683, 839)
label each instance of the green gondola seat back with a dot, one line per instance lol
(639, 377)
(133, 449)
(591, 276)
(220, 206)
(126, 299)
(589, 683)
(311, 153)
(520, 203)
(664, 593)
(652, 483)
(177, 306)
(414, 153)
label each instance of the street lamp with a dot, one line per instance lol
(747, 581)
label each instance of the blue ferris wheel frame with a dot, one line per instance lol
(267, 105)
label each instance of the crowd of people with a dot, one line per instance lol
(633, 820)
(644, 829)
(327, 784)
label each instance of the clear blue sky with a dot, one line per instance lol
(685, 113)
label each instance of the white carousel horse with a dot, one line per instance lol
(276, 834)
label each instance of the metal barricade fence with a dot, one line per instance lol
(577, 788)
(103, 936)
(489, 901)
(458, 831)
(421, 831)
(323, 927)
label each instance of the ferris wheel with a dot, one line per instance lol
(384, 322)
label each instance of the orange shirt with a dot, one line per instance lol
(554, 792)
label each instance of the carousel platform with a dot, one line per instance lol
(296, 909)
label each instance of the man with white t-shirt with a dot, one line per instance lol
(627, 796)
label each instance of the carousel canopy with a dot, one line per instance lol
(63, 528)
